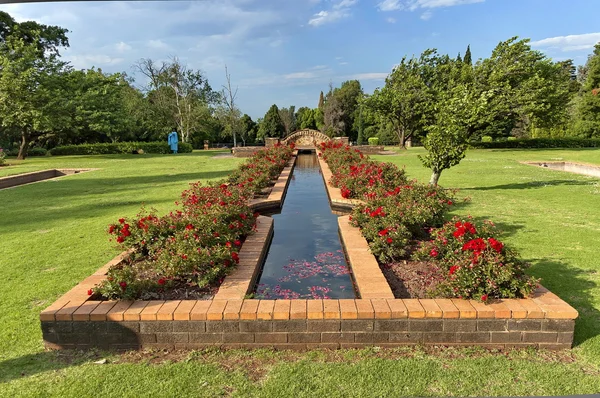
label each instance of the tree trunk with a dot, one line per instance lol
(435, 176)
(401, 137)
(24, 146)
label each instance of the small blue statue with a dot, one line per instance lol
(173, 140)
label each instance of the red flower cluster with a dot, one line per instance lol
(475, 245)
(345, 192)
(496, 245)
(462, 228)
(453, 269)
(378, 212)
(383, 232)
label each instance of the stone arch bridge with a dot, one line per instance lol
(308, 138)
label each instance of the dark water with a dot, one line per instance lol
(305, 259)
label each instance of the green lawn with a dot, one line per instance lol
(52, 236)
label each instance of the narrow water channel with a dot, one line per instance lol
(305, 259)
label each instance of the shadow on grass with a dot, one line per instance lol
(574, 286)
(28, 365)
(529, 185)
(84, 197)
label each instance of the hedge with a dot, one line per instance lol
(118, 147)
(36, 151)
(541, 143)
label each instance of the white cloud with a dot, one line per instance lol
(391, 20)
(369, 76)
(157, 44)
(122, 47)
(339, 10)
(300, 75)
(345, 4)
(426, 15)
(569, 43)
(319, 67)
(412, 5)
(343, 63)
(88, 61)
(390, 5)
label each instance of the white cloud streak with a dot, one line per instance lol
(569, 43)
(339, 10)
(412, 5)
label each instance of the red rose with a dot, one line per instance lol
(123, 285)
(389, 240)
(189, 227)
(216, 234)
(227, 263)
(228, 244)
(111, 229)
(162, 281)
(433, 253)
(121, 220)
(383, 232)
(496, 245)
(90, 292)
(453, 269)
(235, 257)
(237, 243)
(484, 297)
(120, 239)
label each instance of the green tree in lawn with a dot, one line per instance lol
(288, 118)
(32, 97)
(272, 126)
(448, 137)
(587, 122)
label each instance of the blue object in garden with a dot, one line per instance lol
(173, 140)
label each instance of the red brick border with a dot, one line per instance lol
(73, 321)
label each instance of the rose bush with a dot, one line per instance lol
(195, 245)
(476, 264)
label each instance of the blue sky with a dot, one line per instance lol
(287, 51)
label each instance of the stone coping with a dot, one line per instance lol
(37, 176)
(336, 201)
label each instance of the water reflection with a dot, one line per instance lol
(305, 259)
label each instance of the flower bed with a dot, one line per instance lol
(190, 250)
(376, 319)
(403, 220)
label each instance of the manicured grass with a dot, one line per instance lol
(52, 236)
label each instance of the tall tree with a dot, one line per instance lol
(288, 118)
(587, 123)
(271, 126)
(321, 101)
(31, 90)
(468, 58)
(176, 92)
(232, 119)
(248, 130)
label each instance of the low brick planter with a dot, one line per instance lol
(36, 176)
(375, 319)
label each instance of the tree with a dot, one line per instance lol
(404, 99)
(248, 130)
(468, 58)
(47, 39)
(288, 118)
(529, 90)
(321, 101)
(31, 97)
(587, 116)
(176, 93)
(271, 126)
(305, 118)
(232, 119)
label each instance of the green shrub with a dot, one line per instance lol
(2, 157)
(119, 148)
(35, 151)
(374, 141)
(540, 143)
(486, 138)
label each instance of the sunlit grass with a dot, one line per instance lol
(52, 236)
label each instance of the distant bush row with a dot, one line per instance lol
(118, 147)
(540, 143)
(36, 151)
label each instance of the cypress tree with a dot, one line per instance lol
(467, 59)
(321, 101)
